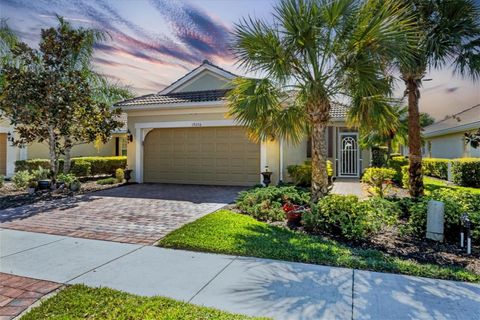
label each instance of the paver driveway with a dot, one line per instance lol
(141, 213)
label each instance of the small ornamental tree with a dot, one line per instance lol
(49, 94)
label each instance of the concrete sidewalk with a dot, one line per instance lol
(261, 287)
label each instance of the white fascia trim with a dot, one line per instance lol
(192, 75)
(462, 128)
(172, 105)
(186, 124)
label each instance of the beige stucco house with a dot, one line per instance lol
(183, 134)
(446, 138)
(9, 154)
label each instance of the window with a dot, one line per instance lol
(123, 146)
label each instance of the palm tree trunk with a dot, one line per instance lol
(414, 140)
(389, 148)
(319, 159)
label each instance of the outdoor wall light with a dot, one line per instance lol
(129, 136)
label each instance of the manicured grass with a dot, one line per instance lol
(232, 233)
(432, 184)
(81, 302)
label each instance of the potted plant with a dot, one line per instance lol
(41, 175)
(293, 213)
(75, 185)
(32, 186)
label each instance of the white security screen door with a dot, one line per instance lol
(348, 149)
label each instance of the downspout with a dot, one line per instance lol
(281, 161)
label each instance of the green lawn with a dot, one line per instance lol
(432, 184)
(232, 233)
(81, 302)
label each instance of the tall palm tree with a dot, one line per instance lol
(449, 32)
(315, 54)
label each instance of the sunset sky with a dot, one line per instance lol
(154, 42)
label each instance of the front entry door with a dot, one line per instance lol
(349, 160)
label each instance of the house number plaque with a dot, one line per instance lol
(196, 124)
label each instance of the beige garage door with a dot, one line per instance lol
(3, 154)
(214, 156)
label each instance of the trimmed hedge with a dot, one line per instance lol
(83, 166)
(466, 172)
(435, 167)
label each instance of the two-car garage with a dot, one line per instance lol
(201, 155)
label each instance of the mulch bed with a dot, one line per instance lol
(10, 197)
(395, 244)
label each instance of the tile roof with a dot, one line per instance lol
(179, 97)
(455, 123)
(338, 111)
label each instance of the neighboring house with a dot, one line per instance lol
(183, 134)
(446, 138)
(9, 154)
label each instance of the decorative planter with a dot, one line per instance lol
(294, 218)
(266, 177)
(75, 186)
(44, 184)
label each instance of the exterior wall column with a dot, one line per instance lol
(139, 155)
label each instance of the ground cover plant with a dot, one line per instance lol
(82, 302)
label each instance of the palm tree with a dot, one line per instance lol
(395, 133)
(8, 40)
(313, 55)
(449, 32)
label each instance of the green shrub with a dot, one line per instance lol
(466, 172)
(41, 173)
(405, 177)
(349, 217)
(33, 164)
(378, 179)
(104, 165)
(302, 173)
(98, 165)
(266, 203)
(67, 179)
(435, 167)
(456, 203)
(81, 168)
(396, 163)
(2, 180)
(107, 181)
(119, 175)
(21, 179)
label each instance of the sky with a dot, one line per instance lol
(154, 42)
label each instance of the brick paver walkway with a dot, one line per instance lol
(18, 293)
(139, 214)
